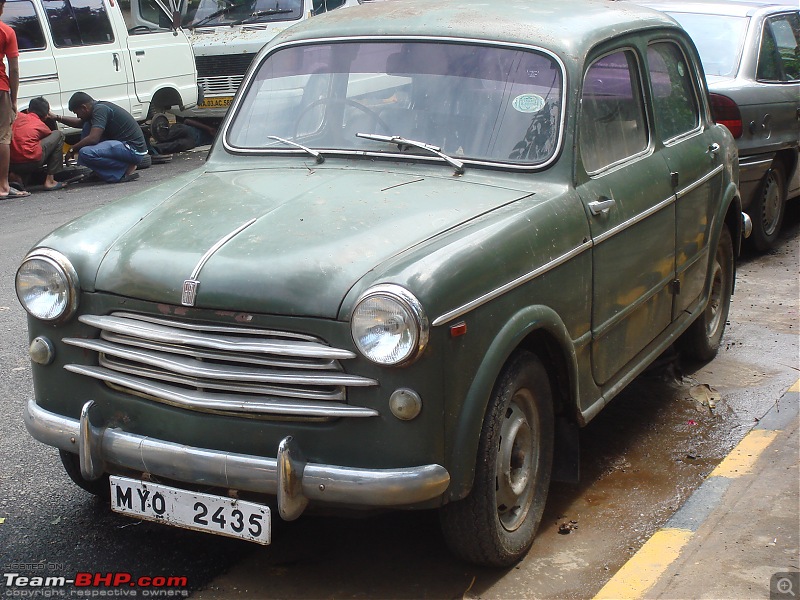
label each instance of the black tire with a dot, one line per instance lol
(768, 209)
(701, 341)
(146, 163)
(515, 456)
(99, 487)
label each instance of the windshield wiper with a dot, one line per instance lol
(254, 17)
(317, 156)
(405, 144)
(217, 13)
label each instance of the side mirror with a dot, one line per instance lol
(176, 19)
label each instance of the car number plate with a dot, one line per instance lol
(192, 510)
(219, 102)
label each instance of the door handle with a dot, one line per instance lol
(115, 60)
(601, 206)
(713, 149)
(140, 53)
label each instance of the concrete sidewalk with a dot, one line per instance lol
(737, 535)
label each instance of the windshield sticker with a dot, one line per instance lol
(528, 103)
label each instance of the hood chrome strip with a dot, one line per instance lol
(190, 286)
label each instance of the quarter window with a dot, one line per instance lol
(22, 18)
(674, 101)
(613, 124)
(78, 22)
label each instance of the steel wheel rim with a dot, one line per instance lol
(517, 460)
(771, 209)
(714, 308)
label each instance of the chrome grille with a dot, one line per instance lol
(226, 369)
(223, 85)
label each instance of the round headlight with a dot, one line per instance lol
(47, 285)
(389, 326)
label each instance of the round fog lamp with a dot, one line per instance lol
(405, 404)
(41, 351)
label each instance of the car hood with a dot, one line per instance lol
(308, 236)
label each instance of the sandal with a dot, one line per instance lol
(14, 193)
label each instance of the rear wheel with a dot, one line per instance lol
(496, 523)
(701, 341)
(98, 487)
(768, 209)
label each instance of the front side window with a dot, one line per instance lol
(22, 18)
(473, 102)
(218, 13)
(321, 6)
(779, 55)
(674, 100)
(78, 22)
(613, 124)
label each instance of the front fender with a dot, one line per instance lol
(465, 435)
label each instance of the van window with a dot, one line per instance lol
(78, 22)
(22, 17)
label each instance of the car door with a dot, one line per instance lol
(692, 154)
(629, 204)
(38, 74)
(89, 55)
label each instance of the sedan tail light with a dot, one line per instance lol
(725, 112)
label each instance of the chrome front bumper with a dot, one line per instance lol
(288, 476)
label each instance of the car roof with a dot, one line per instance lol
(552, 24)
(730, 8)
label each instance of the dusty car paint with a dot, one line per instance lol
(502, 258)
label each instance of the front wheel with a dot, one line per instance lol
(701, 341)
(496, 523)
(99, 487)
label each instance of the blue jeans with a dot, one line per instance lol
(109, 159)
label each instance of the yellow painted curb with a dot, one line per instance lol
(642, 571)
(741, 460)
(795, 387)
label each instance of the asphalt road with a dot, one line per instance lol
(641, 458)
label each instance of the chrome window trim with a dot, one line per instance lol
(234, 108)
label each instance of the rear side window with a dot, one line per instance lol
(23, 19)
(779, 55)
(613, 124)
(674, 100)
(78, 22)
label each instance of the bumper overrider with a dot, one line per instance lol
(289, 476)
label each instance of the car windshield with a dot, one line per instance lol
(212, 13)
(719, 40)
(480, 103)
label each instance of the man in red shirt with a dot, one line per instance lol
(34, 144)
(9, 86)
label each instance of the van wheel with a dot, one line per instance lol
(768, 209)
(99, 487)
(496, 523)
(701, 341)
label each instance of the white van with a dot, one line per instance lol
(227, 35)
(84, 45)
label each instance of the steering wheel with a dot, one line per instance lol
(347, 102)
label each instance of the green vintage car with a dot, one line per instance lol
(432, 239)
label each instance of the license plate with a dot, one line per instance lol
(191, 510)
(221, 102)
